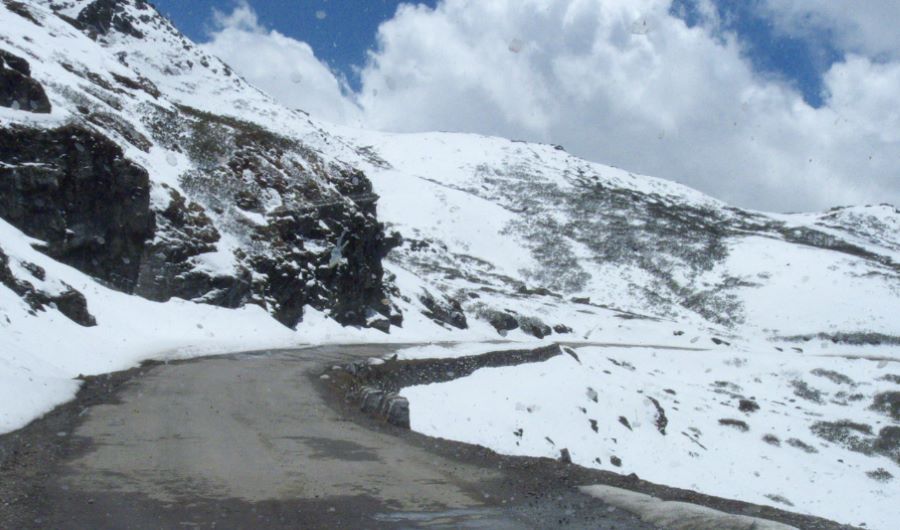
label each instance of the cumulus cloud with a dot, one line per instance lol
(626, 83)
(868, 27)
(285, 68)
(622, 82)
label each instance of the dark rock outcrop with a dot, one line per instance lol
(70, 302)
(72, 188)
(22, 10)
(888, 443)
(101, 16)
(501, 321)
(322, 246)
(17, 89)
(73, 305)
(887, 403)
(444, 310)
(661, 420)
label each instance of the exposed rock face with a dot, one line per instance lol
(17, 89)
(101, 16)
(239, 214)
(308, 231)
(73, 189)
(444, 310)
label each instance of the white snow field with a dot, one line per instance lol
(791, 430)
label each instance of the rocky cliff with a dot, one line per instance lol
(140, 179)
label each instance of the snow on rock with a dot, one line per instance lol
(191, 182)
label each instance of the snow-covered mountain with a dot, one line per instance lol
(152, 200)
(495, 223)
(214, 192)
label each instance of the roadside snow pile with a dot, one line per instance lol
(814, 434)
(673, 515)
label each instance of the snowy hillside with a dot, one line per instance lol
(248, 202)
(504, 220)
(154, 204)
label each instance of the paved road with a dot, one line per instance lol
(250, 441)
(254, 441)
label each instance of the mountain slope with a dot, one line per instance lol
(248, 202)
(505, 220)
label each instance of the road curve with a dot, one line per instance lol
(253, 440)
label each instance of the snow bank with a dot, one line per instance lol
(763, 427)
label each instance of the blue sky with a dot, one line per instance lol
(798, 61)
(342, 37)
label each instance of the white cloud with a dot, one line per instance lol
(624, 82)
(866, 27)
(284, 67)
(620, 82)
